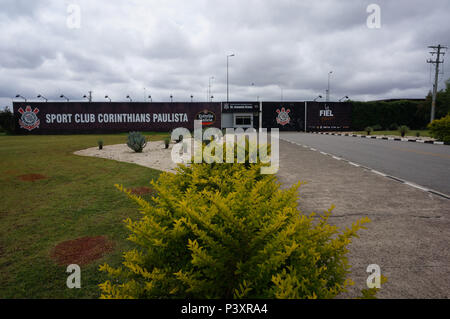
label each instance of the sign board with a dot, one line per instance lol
(240, 107)
(329, 116)
(111, 117)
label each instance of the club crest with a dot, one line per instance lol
(29, 119)
(283, 117)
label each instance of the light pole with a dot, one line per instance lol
(228, 91)
(209, 86)
(192, 98)
(281, 92)
(318, 97)
(345, 97)
(150, 97)
(171, 98)
(42, 97)
(18, 95)
(328, 90)
(107, 97)
(128, 97)
(64, 97)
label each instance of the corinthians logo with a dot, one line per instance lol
(29, 119)
(283, 116)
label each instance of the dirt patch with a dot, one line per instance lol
(139, 191)
(31, 177)
(81, 251)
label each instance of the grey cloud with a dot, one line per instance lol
(174, 47)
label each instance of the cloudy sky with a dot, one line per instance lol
(158, 48)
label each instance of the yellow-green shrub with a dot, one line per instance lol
(440, 129)
(226, 231)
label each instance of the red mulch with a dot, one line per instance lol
(31, 177)
(139, 191)
(81, 251)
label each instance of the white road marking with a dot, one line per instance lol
(416, 186)
(354, 164)
(377, 172)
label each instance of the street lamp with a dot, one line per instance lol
(228, 91)
(212, 96)
(209, 85)
(281, 89)
(86, 97)
(318, 97)
(64, 97)
(345, 97)
(42, 97)
(192, 98)
(171, 98)
(18, 95)
(150, 97)
(328, 89)
(107, 97)
(128, 97)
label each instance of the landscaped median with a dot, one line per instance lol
(428, 140)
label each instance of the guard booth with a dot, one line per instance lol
(240, 114)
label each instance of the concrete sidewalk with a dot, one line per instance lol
(410, 229)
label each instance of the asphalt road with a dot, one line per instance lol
(427, 165)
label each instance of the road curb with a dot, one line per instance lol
(378, 137)
(423, 188)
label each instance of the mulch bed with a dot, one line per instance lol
(81, 251)
(31, 177)
(139, 191)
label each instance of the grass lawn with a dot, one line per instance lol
(425, 133)
(77, 199)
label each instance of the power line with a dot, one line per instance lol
(437, 50)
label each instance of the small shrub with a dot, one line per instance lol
(377, 127)
(136, 141)
(226, 231)
(166, 142)
(100, 144)
(403, 130)
(417, 134)
(368, 130)
(393, 127)
(440, 129)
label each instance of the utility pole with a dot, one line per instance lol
(438, 51)
(90, 96)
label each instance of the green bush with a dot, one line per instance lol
(7, 121)
(393, 127)
(136, 141)
(403, 130)
(440, 129)
(368, 130)
(377, 127)
(100, 144)
(166, 142)
(226, 231)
